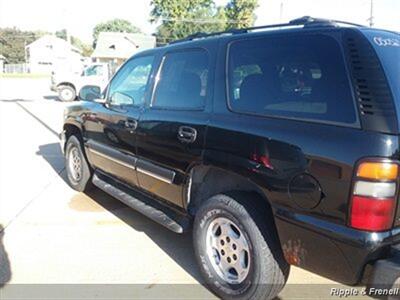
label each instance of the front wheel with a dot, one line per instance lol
(238, 254)
(66, 93)
(78, 170)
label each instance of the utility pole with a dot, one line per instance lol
(66, 19)
(371, 16)
(281, 12)
(25, 52)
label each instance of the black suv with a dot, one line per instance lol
(278, 145)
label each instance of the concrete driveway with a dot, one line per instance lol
(55, 235)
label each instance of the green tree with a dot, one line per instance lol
(13, 42)
(180, 18)
(241, 13)
(115, 25)
(87, 49)
(62, 34)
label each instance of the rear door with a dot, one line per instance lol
(171, 131)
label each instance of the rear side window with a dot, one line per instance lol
(182, 82)
(294, 77)
(387, 46)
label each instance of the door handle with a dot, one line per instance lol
(131, 124)
(187, 134)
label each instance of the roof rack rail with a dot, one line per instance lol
(200, 35)
(305, 21)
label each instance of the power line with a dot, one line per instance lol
(200, 21)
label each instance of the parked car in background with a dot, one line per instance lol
(275, 147)
(68, 84)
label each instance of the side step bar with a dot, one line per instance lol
(150, 208)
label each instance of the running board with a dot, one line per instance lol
(150, 208)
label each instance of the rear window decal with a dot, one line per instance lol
(386, 42)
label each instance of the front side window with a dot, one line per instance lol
(182, 82)
(129, 85)
(295, 77)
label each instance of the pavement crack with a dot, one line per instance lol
(37, 119)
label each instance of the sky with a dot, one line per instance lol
(80, 16)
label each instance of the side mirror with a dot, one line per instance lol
(90, 93)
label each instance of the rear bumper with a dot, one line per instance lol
(333, 250)
(385, 276)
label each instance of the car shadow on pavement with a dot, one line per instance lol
(53, 155)
(177, 246)
(52, 97)
(5, 269)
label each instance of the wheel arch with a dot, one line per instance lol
(66, 83)
(207, 181)
(72, 127)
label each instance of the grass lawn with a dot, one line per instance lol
(24, 75)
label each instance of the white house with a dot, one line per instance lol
(50, 53)
(116, 47)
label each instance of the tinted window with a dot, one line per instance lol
(297, 77)
(387, 46)
(182, 81)
(129, 85)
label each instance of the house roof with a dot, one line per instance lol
(122, 45)
(52, 40)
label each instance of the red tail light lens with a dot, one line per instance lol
(372, 214)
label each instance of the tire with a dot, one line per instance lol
(78, 170)
(66, 93)
(395, 285)
(263, 269)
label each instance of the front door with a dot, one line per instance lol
(112, 145)
(171, 131)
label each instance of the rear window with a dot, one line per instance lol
(294, 77)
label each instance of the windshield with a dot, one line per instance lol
(96, 70)
(387, 46)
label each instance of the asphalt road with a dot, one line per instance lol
(53, 234)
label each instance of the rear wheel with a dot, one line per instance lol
(66, 93)
(78, 170)
(238, 255)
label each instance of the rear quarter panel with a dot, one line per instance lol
(297, 151)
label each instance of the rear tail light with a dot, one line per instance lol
(378, 171)
(373, 201)
(375, 189)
